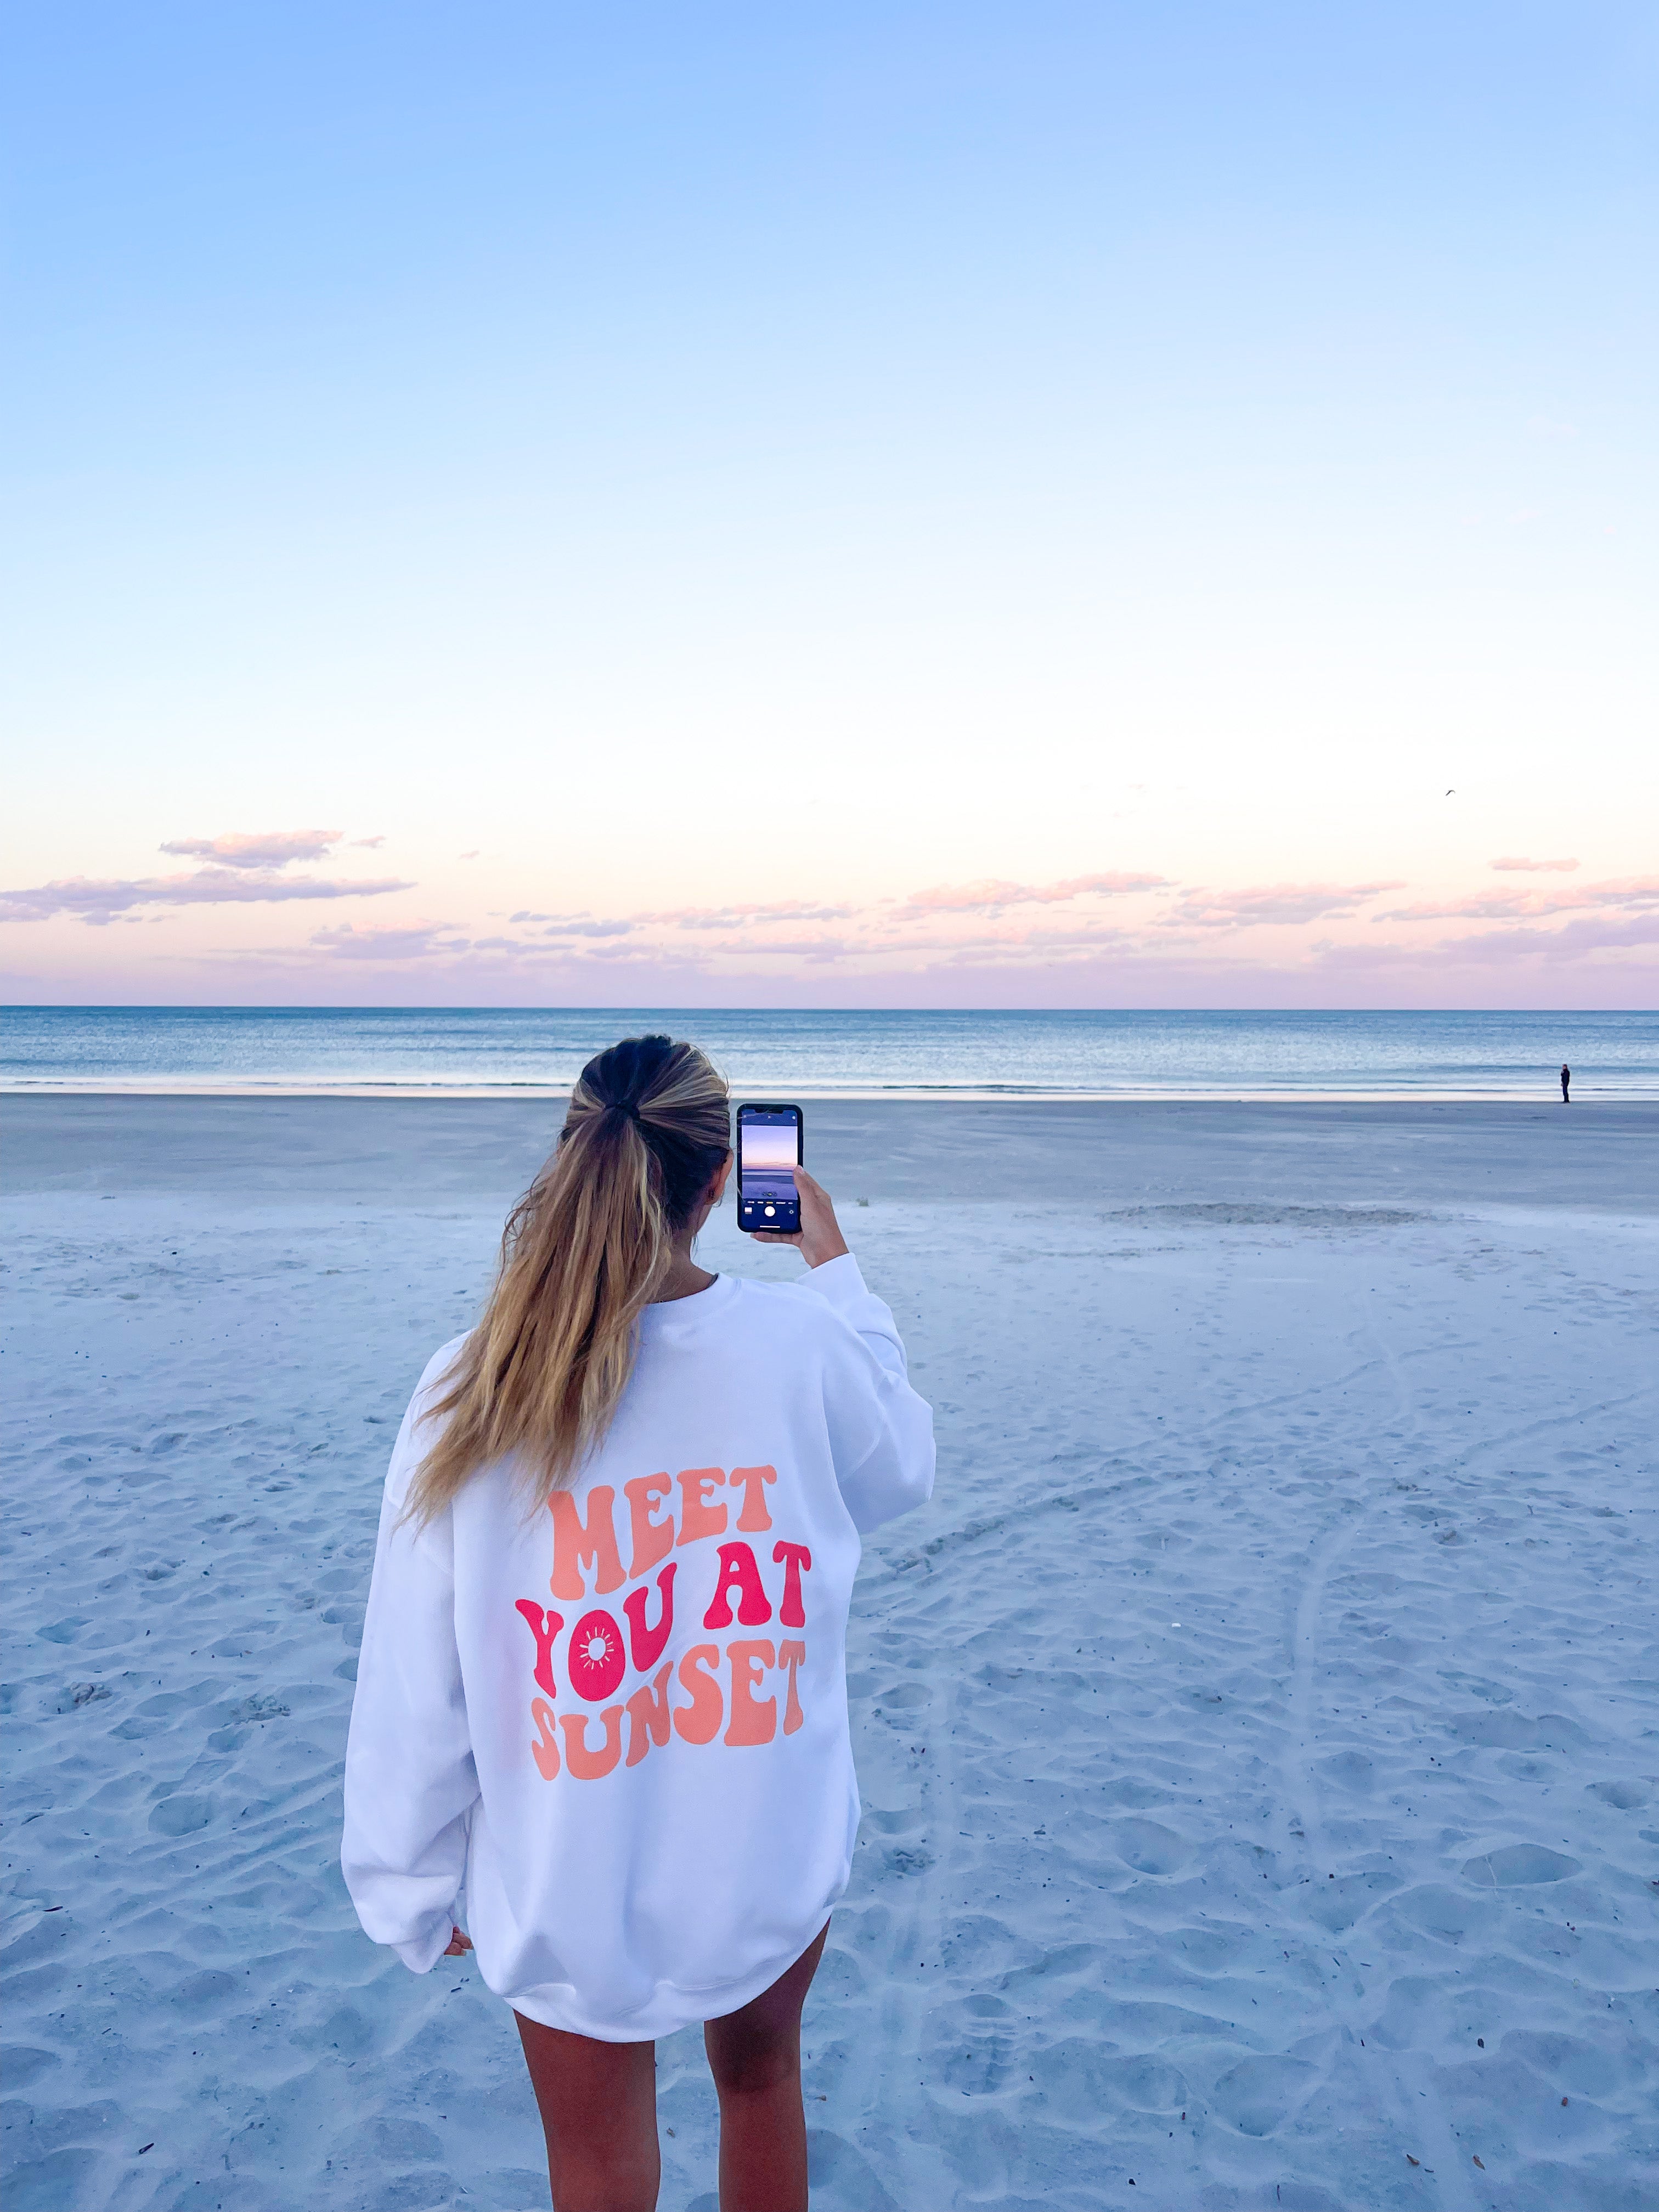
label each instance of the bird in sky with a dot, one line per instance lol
(1452, 793)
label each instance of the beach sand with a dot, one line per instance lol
(1258, 1733)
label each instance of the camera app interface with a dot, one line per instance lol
(767, 1150)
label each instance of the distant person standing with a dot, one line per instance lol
(1566, 1077)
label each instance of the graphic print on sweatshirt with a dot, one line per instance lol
(600, 1679)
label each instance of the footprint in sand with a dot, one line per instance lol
(1149, 1847)
(1256, 2096)
(1623, 1796)
(181, 1816)
(1516, 1866)
(1146, 2085)
(202, 1994)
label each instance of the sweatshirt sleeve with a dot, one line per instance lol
(881, 1433)
(410, 1779)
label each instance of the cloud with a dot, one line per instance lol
(683, 917)
(574, 925)
(1272, 903)
(392, 941)
(472, 855)
(368, 844)
(1516, 867)
(1638, 891)
(1579, 937)
(1577, 941)
(881, 928)
(653, 955)
(266, 848)
(994, 892)
(745, 915)
(798, 948)
(446, 950)
(97, 901)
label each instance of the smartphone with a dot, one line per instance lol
(770, 1147)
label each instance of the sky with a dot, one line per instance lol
(1022, 505)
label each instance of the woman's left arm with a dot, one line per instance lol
(881, 1432)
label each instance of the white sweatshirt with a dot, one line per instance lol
(622, 1720)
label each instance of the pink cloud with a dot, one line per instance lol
(99, 901)
(744, 916)
(590, 928)
(1272, 902)
(1010, 940)
(616, 952)
(268, 848)
(452, 953)
(1638, 891)
(1594, 960)
(991, 941)
(574, 925)
(368, 844)
(800, 948)
(1576, 941)
(389, 941)
(1494, 951)
(994, 892)
(736, 917)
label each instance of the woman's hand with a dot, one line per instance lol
(459, 1945)
(819, 1237)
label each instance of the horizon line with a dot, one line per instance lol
(617, 1006)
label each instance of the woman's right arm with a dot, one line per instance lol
(410, 1783)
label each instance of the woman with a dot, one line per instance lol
(603, 1671)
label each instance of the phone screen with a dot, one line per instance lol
(769, 1148)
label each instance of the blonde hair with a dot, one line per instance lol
(543, 1373)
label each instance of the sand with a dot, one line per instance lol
(1258, 1733)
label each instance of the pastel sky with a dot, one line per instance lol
(1167, 493)
(764, 1147)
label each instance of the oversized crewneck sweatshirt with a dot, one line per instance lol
(620, 1721)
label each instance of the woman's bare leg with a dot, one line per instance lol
(599, 2108)
(754, 2056)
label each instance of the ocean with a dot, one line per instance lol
(776, 1053)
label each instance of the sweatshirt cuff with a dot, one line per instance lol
(422, 1953)
(837, 1281)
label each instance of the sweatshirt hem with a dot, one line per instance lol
(556, 2004)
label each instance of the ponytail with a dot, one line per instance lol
(584, 1249)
